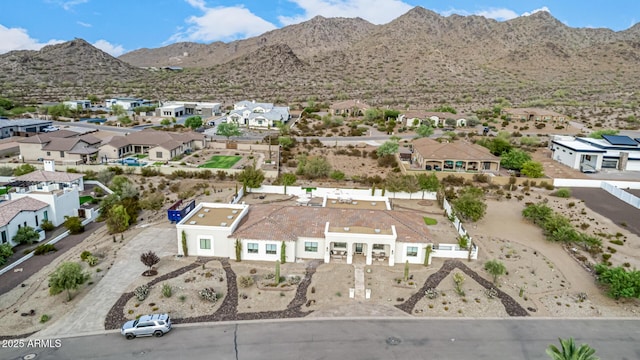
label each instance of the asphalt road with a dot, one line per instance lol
(448, 339)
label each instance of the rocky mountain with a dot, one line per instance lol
(420, 58)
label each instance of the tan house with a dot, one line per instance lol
(532, 114)
(429, 154)
(433, 118)
(60, 146)
(159, 145)
(349, 108)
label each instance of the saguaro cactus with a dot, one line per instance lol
(277, 272)
(406, 271)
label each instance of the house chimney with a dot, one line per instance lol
(49, 165)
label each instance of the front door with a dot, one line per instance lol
(358, 248)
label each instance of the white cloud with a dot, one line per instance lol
(544, 8)
(500, 14)
(374, 11)
(221, 24)
(84, 24)
(19, 39)
(109, 48)
(68, 4)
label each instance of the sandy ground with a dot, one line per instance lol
(542, 277)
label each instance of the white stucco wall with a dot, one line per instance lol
(65, 203)
(28, 217)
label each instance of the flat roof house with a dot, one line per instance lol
(25, 127)
(589, 155)
(188, 108)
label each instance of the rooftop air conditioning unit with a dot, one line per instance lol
(223, 224)
(206, 210)
(201, 215)
(377, 231)
(192, 222)
(234, 211)
(346, 229)
(373, 204)
(229, 217)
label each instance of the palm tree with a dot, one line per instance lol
(570, 352)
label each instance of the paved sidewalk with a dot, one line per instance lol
(359, 281)
(90, 312)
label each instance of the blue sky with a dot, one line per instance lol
(119, 26)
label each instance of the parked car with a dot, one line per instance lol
(50, 129)
(147, 325)
(437, 168)
(428, 167)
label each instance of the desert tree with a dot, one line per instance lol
(470, 204)
(288, 179)
(73, 224)
(149, 259)
(424, 130)
(118, 219)
(68, 276)
(228, 130)
(251, 177)
(193, 122)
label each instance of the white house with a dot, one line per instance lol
(78, 104)
(258, 115)
(327, 233)
(127, 103)
(60, 190)
(588, 155)
(188, 108)
(24, 211)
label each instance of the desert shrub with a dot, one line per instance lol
(47, 225)
(167, 290)
(481, 178)
(606, 256)
(562, 192)
(617, 242)
(453, 180)
(208, 294)
(85, 254)
(92, 261)
(44, 248)
(245, 281)
(44, 318)
(141, 292)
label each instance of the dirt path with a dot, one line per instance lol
(504, 220)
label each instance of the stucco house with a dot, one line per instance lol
(349, 108)
(532, 114)
(258, 115)
(159, 145)
(22, 127)
(212, 229)
(188, 108)
(25, 211)
(429, 154)
(435, 119)
(127, 103)
(60, 146)
(41, 195)
(590, 155)
(78, 104)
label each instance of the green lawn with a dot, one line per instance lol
(430, 221)
(221, 162)
(141, 156)
(4, 190)
(85, 199)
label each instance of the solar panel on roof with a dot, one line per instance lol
(620, 140)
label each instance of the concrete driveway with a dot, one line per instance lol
(89, 313)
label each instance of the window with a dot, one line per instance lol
(37, 221)
(46, 215)
(252, 248)
(159, 154)
(341, 245)
(4, 236)
(205, 244)
(48, 153)
(271, 249)
(412, 251)
(378, 246)
(587, 157)
(310, 246)
(61, 153)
